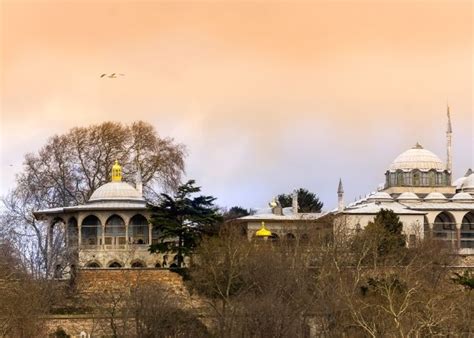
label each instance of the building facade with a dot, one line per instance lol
(419, 189)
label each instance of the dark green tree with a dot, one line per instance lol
(307, 201)
(386, 233)
(182, 219)
(235, 212)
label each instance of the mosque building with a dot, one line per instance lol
(419, 189)
(111, 230)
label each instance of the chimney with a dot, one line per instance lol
(294, 202)
(340, 197)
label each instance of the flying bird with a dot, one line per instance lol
(112, 76)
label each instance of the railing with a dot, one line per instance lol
(115, 247)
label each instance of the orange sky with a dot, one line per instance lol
(268, 96)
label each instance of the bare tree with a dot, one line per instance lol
(71, 166)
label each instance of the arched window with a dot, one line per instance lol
(416, 178)
(439, 178)
(424, 179)
(400, 178)
(93, 265)
(115, 265)
(393, 179)
(115, 230)
(432, 178)
(358, 228)
(138, 230)
(467, 230)
(91, 230)
(444, 227)
(275, 238)
(407, 178)
(137, 264)
(157, 265)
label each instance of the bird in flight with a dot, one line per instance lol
(112, 76)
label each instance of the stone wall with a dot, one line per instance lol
(93, 287)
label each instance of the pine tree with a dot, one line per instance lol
(182, 220)
(307, 201)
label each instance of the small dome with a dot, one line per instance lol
(380, 196)
(459, 182)
(435, 196)
(263, 232)
(417, 158)
(468, 184)
(462, 196)
(116, 191)
(408, 196)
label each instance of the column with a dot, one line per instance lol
(126, 235)
(66, 234)
(79, 235)
(103, 236)
(431, 225)
(458, 236)
(150, 228)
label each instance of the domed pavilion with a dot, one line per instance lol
(111, 230)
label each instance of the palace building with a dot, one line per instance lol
(419, 189)
(111, 230)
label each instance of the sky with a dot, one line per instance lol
(267, 96)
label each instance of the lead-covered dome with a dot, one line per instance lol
(417, 158)
(468, 184)
(435, 197)
(116, 191)
(408, 196)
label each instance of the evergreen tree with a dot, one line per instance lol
(235, 212)
(387, 229)
(307, 201)
(182, 220)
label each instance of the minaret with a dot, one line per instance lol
(340, 197)
(449, 135)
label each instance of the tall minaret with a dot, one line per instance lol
(449, 136)
(340, 197)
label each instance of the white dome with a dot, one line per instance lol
(116, 191)
(380, 196)
(435, 196)
(458, 183)
(417, 158)
(468, 183)
(408, 196)
(462, 196)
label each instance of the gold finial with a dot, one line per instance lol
(263, 232)
(116, 172)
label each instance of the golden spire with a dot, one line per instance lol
(116, 172)
(263, 232)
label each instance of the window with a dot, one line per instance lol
(408, 180)
(432, 179)
(424, 179)
(393, 179)
(400, 178)
(416, 178)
